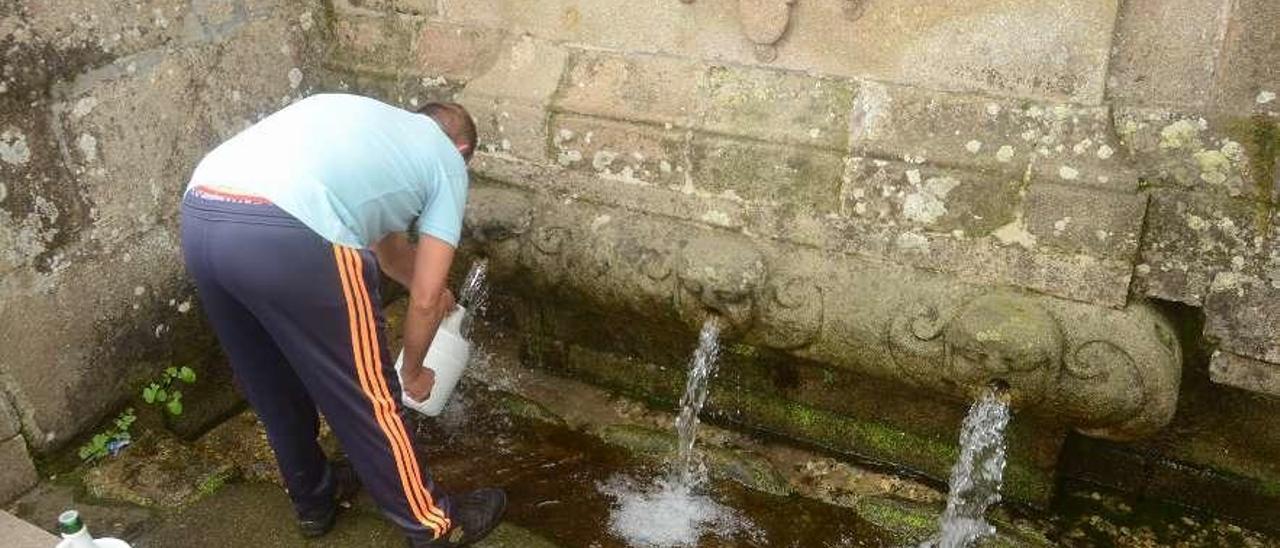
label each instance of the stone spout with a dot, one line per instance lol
(1110, 373)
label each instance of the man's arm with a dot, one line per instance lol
(395, 257)
(429, 302)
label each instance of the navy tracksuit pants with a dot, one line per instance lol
(301, 321)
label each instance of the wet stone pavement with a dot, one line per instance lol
(554, 445)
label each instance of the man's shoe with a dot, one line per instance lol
(474, 516)
(346, 486)
(317, 527)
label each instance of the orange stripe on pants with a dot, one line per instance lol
(393, 416)
(364, 347)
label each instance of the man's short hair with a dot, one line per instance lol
(456, 123)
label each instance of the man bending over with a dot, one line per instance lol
(284, 228)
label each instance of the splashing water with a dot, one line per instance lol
(977, 475)
(670, 514)
(474, 294)
(674, 511)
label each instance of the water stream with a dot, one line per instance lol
(675, 510)
(688, 467)
(474, 294)
(977, 475)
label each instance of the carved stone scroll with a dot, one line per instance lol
(1110, 373)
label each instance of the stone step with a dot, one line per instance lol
(20, 534)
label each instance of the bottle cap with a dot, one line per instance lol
(69, 522)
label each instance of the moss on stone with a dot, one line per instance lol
(1260, 137)
(744, 467)
(528, 409)
(741, 401)
(910, 522)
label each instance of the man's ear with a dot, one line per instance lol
(464, 149)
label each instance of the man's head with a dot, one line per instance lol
(456, 123)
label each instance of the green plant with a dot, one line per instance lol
(114, 437)
(165, 391)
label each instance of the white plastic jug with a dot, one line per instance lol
(76, 535)
(447, 356)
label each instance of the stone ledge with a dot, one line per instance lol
(1190, 237)
(1245, 373)
(20, 534)
(1060, 142)
(1242, 314)
(1002, 259)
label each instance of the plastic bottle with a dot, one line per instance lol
(447, 356)
(76, 535)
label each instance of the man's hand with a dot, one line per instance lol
(418, 382)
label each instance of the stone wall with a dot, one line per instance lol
(877, 189)
(910, 197)
(1097, 152)
(104, 109)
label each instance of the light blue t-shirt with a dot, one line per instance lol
(351, 168)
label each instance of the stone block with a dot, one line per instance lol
(778, 107)
(91, 300)
(640, 88)
(17, 472)
(1041, 48)
(1242, 314)
(1067, 143)
(792, 178)
(248, 78)
(457, 53)
(528, 71)
(510, 101)
(20, 534)
(1245, 373)
(1036, 49)
(1085, 221)
(1010, 256)
(1228, 156)
(508, 127)
(631, 152)
(374, 43)
(650, 25)
(936, 199)
(111, 28)
(1248, 72)
(1190, 237)
(1166, 51)
(117, 121)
